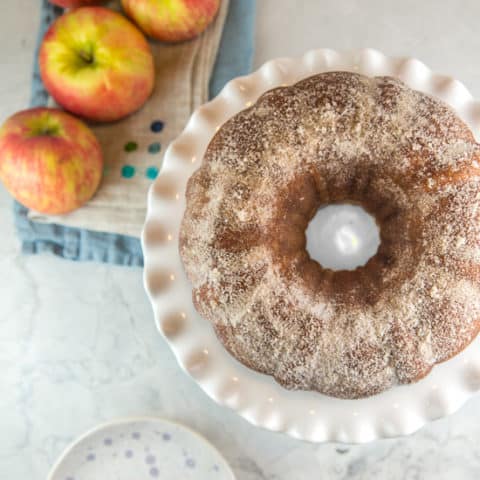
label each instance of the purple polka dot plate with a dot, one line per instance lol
(141, 449)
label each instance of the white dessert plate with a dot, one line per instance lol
(258, 398)
(143, 449)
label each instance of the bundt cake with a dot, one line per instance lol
(338, 137)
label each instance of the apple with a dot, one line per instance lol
(97, 64)
(75, 3)
(50, 161)
(172, 20)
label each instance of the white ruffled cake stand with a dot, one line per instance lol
(256, 397)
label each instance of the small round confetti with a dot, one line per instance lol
(152, 173)
(190, 462)
(128, 454)
(150, 460)
(154, 148)
(108, 441)
(157, 126)
(91, 457)
(135, 435)
(130, 146)
(154, 472)
(128, 171)
(167, 437)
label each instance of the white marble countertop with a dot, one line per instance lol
(77, 341)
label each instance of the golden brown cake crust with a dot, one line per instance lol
(338, 137)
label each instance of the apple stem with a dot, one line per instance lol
(87, 57)
(48, 131)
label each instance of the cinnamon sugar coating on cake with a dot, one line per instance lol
(336, 138)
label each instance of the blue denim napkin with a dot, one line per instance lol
(234, 58)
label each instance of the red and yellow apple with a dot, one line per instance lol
(75, 3)
(50, 161)
(172, 20)
(97, 64)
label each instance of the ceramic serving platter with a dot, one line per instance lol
(141, 449)
(258, 398)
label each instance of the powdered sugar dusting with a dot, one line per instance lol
(338, 137)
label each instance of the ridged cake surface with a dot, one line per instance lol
(338, 138)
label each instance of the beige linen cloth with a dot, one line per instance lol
(132, 150)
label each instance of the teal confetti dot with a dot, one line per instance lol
(154, 148)
(130, 146)
(151, 173)
(128, 171)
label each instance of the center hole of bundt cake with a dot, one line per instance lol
(342, 237)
